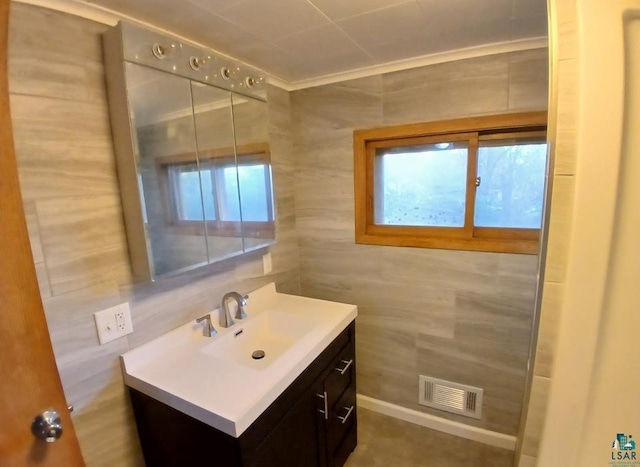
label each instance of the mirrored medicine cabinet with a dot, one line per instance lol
(192, 146)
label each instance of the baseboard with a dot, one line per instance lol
(492, 438)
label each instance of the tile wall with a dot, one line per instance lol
(70, 191)
(459, 316)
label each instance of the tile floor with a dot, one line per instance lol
(388, 442)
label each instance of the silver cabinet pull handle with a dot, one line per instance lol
(346, 366)
(349, 410)
(323, 396)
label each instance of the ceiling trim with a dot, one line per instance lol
(424, 60)
(110, 17)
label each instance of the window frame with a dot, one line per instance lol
(468, 237)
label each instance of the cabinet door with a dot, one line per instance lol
(295, 441)
(213, 117)
(167, 171)
(254, 171)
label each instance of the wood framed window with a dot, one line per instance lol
(467, 184)
(226, 186)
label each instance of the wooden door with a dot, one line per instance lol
(29, 380)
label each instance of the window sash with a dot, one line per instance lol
(520, 128)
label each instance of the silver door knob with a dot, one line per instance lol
(47, 426)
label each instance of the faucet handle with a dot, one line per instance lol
(240, 313)
(208, 329)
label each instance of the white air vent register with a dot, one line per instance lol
(451, 397)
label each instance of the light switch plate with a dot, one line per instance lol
(113, 322)
(267, 266)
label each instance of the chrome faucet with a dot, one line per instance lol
(208, 329)
(225, 314)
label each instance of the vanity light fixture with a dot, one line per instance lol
(171, 55)
(196, 63)
(161, 52)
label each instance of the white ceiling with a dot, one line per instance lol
(299, 40)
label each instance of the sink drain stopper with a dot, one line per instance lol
(257, 354)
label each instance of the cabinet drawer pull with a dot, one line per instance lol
(349, 410)
(323, 396)
(346, 366)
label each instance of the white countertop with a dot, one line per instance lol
(199, 377)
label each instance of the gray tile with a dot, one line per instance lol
(565, 154)
(84, 242)
(467, 364)
(529, 80)
(85, 366)
(559, 228)
(65, 170)
(535, 415)
(106, 430)
(336, 110)
(450, 90)
(77, 40)
(450, 269)
(550, 315)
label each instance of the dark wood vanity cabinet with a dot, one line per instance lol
(312, 423)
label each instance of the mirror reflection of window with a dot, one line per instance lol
(254, 186)
(220, 181)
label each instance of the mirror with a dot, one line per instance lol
(203, 170)
(213, 117)
(254, 172)
(162, 126)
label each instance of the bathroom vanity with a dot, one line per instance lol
(205, 401)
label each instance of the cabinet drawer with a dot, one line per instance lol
(341, 375)
(341, 420)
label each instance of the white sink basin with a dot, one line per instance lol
(215, 379)
(272, 332)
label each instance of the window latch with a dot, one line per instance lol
(478, 181)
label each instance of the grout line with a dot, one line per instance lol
(342, 30)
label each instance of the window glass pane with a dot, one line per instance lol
(253, 192)
(421, 185)
(512, 184)
(229, 203)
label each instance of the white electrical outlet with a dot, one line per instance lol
(113, 322)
